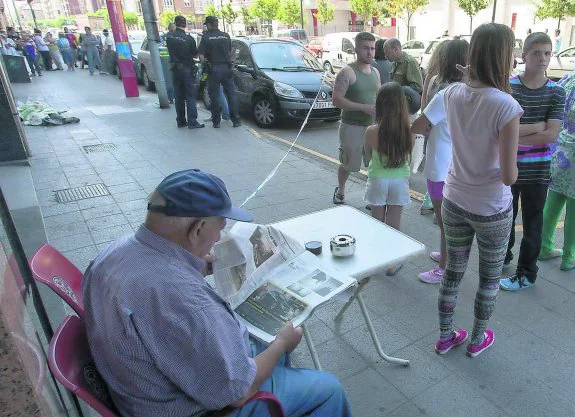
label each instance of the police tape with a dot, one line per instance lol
(275, 169)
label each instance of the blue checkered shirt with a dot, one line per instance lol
(165, 343)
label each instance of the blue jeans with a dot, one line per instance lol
(93, 59)
(33, 64)
(222, 76)
(185, 91)
(225, 109)
(302, 392)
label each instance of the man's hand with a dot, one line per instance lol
(289, 337)
(368, 109)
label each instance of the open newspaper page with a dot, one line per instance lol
(289, 292)
(248, 253)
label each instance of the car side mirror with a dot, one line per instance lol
(246, 69)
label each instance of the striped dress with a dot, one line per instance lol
(539, 105)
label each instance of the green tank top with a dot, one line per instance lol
(364, 91)
(377, 169)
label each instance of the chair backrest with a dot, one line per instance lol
(52, 268)
(72, 365)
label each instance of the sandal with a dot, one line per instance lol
(337, 197)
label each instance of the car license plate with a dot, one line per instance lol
(323, 105)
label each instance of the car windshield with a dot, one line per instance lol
(284, 56)
(136, 45)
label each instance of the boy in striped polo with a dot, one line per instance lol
(543, 103)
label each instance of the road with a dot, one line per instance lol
(318, 139)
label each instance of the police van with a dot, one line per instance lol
(339, 50)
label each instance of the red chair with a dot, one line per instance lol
(52, 268)
(72, 365)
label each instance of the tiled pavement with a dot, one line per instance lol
(530, 371)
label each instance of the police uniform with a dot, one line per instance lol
(216, 48)
(182, 49)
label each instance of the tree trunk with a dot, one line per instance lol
(559, 23)
(470, 25)
(408, 26)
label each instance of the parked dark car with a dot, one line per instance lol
(278, 79)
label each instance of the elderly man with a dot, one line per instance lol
(165, 342)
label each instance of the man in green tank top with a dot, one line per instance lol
(354, 92)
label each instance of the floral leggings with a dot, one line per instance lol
(492, 237)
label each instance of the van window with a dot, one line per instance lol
(346, 44)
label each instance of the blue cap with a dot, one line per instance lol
(194, 193)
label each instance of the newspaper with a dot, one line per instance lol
(269, 279)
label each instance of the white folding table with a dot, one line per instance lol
(378, 247)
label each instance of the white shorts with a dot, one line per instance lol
(387, 191)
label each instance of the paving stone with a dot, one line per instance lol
(63, 219)
(123, 188)
(105, 222)
(340, 359)
(111, 233)
(82, 257)
(371, 394)
(57, 209)
(130, 196)
(67, 229)
(96, 202)
(68, 243)
(101, 211)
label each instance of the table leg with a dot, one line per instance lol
(374, 337)
(311, 348)
(360, 286)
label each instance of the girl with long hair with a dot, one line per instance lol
(483, 120)
(438, 157)
(388, 145)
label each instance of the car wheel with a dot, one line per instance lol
(327, 66)
(146, 80)
(206, 97)
(264, 112)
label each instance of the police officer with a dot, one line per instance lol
(216, 49)
(182, 49)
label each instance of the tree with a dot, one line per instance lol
(167, 17)
(102, 13)
(324, 14)
(555, 9)
(131, 19)
(246, 15)
(228, 15)
(266, 10)
(406, 9)
(364, 8)
(212, 10)
(471, 8)
(289, 13)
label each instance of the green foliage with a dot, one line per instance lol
(228, 14)
(266, 10)
(212, 10)
(325, 12)
(141, 22)
(102, 13)
(54, 23)
(246, 15)
(471, 8)
(405, 8)
(555, 9)
(167, 16)
(289, 13)
(131, 19)
(364, 8)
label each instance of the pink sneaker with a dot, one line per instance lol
(436, 256)
(488, 339)
(435, 276)
(443, 346)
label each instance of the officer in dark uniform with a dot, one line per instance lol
(182, 49)
(216, 49)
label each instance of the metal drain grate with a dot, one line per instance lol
(101, 147)
(81, 193)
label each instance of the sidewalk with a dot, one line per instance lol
(529, 370)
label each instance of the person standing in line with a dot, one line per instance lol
(182, 50)
(354, 92)
(387, 147)
(405, 71)
(562, 186)
(90, 43)
(168, 76)
(223, 102)
(216, 49)
(43, 49)
(438, 156)
(543, 102)
(54, 51)
(381, 63)
(109, 54)
(64, 46)
(483, 121)
(30, 52)
(73, 45)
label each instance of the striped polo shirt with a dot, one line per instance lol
(539, 105)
